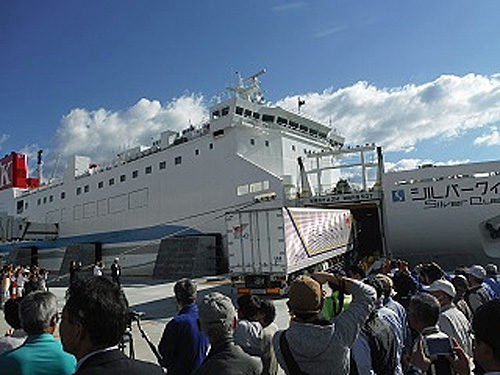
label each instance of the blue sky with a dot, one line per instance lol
(72, 73)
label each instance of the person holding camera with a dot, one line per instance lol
(433, 350)
(248, 334)
(312, 344)
(94, 320)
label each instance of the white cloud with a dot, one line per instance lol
(31, 151)
(398, 118)
(3, 139)
(490, 139)
(101, 133)
(409, 164)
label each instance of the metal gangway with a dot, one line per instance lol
(361, 186)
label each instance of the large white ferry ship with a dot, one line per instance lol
(181, 184)
(250, 155)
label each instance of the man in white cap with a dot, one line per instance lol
(451, 320)
(477, 294)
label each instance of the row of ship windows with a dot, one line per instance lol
(252, 142)
(266, 143)
(254, 187)
(147, 170)
(269, 118)
(306, 151)
(112, 205)
(245, 113)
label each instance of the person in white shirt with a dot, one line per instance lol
(248, 333)
(19, 282)
(451, 320)
(5, 293)
(98, 267)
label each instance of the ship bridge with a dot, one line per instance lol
(249, 107)
(358, 188)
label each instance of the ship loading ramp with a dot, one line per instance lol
(357, 171)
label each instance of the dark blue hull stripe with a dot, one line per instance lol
(121, 236)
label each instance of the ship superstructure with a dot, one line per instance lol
(180, 184)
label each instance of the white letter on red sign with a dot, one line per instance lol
(4, 174)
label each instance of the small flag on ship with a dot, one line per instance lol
(301, 103)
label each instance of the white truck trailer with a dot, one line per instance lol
(267, 247)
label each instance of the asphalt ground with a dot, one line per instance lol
(156, 299)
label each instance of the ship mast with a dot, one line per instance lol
(249, 88)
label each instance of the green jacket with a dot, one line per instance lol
(39, 355)
(331, 303)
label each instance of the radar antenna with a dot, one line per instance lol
(249, 88)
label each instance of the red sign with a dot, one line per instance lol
(13, 171)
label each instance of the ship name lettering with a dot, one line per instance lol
(431, 193)
(4, 174)
(433, 203)
(479, 201)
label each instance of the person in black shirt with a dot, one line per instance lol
(116, 272)
(73, 272)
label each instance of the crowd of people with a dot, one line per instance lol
(92, 324)
(389, 319)
(76, 270)
(18, 281)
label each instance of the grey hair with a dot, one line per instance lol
(185, 291)
(425, 308)
(217, 315)
(37, 311)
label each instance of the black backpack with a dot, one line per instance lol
(383, 346)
